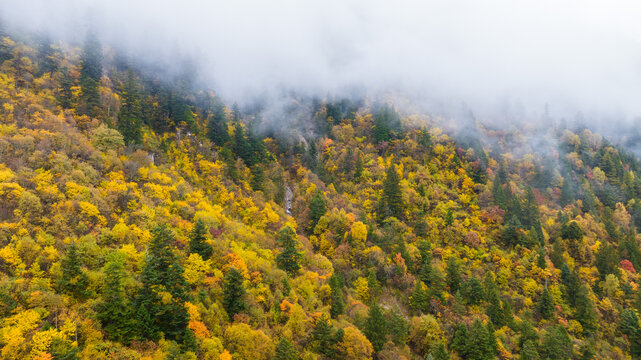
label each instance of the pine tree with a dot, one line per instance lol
(546, 305)
(336, 296)
(420, 299)
(629, 326)
(217, 125)
(317, 209)
(585, 312)
(398, 327)
(385, 121)
(375, 328)
(233, 293)
(242, 146)
(472, 291)
(529, 352)
(198, 241)
(479, 345)
(460, 339)
(440, 353)
(114, 311)
(162, 276)
(74, 281)
(286, 351)
(257, 181)
(453, 275)
(323, 339)
(288, 258)
(90, 74)
(392, 196)
(556, 344)
(130, 116)
(511, 234)
(64, 95)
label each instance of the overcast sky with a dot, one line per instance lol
(573, 55)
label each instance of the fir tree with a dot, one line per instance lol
(453, 276)
(529, 351)
(198, 241)
(129, 119)
(460, 339)
(317, 209)
(90, 74)
(375, 328)
(440, 353)
(546, 305)
(286, 351)
(336, 296)
(472, 291)
(392, 196)
(257, 181)
(288, 258)
(114, 311)
(162, 275)
(398, 327)
(556, 344)
(323, 338)
(420, 299)
(217, 126)
(479, 344)
(74, 281)
(233, 293)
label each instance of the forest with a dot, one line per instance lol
(143, 218)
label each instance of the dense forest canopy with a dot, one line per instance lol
(141, 218)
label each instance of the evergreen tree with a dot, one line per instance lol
(529, 351)
(130, 117)
(540, 259)
(74, 281)
(420, 299)
(607, 261)
(440, 353)
(385, 121)
(64, 95)
(472, 291)
(288, 258)
(546, 305)
(453, 274)
(479, 346)
(460, 339)
(217, 125)
(198, 241)
(556, 344)
(375, 328)
(90, 74)
(336, 296)
(511, 234)
(242, 145)
(398, 327)
(323, 339)
(233, 293)
(317, 209)
(162, 276)
(373, 285)
(585, 312)
(114, 311)
(286, 351)
(629, 326)
(527, 333)
(392, 196)
(257, 181)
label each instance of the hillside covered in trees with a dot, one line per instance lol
(143, 219)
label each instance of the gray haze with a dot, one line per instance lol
(511, 56)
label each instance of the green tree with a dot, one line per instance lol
(217, 125)
(114, 310)
(479, 344)
(398, 327)
(90, 74)
(546, 305)
(607, 261)
(130, 116)
(459, 340)
(257, 181)
(288, 258)
(629, 326)
(386, 121)
(198, 240)
(317, 208)
(233, 293)
(453, 276)
(74, 281)
(420, 299)
(160, 304)
(440, 353)
(323, 338)
(375, 327)
(472, 291)
(392, 196)
(556, 344)
(336, 296)
(286, 351)
(529, 351)
(585, 312)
